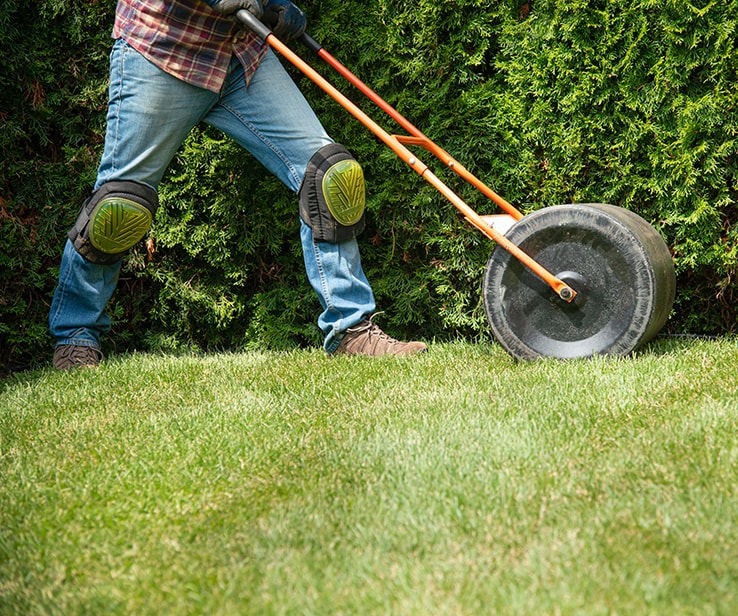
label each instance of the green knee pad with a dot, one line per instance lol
(113, 219)
(332, 195)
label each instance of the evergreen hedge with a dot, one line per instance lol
(548, 101)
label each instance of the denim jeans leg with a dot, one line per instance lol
(77, 315)
(272, 120)
(335, 273)
(149, 115)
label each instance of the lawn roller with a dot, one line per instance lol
(564, 281)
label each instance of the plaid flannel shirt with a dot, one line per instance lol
(187, 39)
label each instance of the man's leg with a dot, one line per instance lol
(272, 120)
(149, 115)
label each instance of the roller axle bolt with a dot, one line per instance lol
(566, 293)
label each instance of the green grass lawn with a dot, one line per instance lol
(458, 482)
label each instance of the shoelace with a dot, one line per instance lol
(367, 324)
(374, 336)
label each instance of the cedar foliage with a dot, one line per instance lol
(548, 101)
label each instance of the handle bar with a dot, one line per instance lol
(397, 145)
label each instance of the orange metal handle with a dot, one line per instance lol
(396, 144)
(418, 138)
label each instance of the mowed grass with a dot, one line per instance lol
(458, 482)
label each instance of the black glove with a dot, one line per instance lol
(228, 7)
(284, 18)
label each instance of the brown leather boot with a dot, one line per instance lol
(71, 356)
(367, 339)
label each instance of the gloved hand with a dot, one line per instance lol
(284, 18)
(228, 7)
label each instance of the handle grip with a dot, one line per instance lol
(310, 43)
(252, 23)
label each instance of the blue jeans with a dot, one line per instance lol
(149, 115)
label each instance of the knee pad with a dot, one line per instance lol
(113, 219)
(332, 195)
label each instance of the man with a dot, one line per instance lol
(175, 63)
